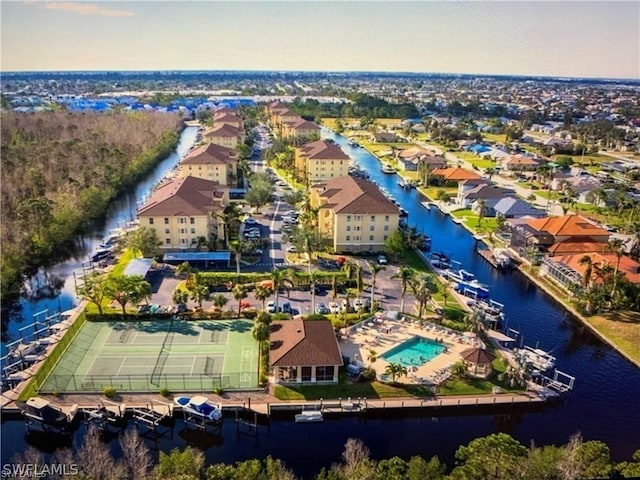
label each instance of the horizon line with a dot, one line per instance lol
(393, 72)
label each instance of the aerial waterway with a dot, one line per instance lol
(603, 404)
(41, 296)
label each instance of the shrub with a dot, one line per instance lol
(109, 392)
(218, 391)
(454, 314)
(164, 392)
(368, 374)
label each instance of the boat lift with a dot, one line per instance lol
(106, 415)
(153, 418)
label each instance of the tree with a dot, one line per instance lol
(230, 219)
(482, 210)
(93, 288)
(475, 320)
(458, 369)
(239, 292)
(395, 370)
(178, 464)
(261, 294)
(395, 244)
(497, 456)
(356, 461)
(180, 296)
(423, 287)
(136, 455)
(144, 240)
(126, 289)
(94, 460)
(372, 356)
(237, 248)
(219, 301)
(616, 246)
(199, 291)
(260, 332)
(406, 275)
(419, 469)
(374, 268)
(586, 276)
(261, 190)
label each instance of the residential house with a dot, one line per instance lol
(211, 162)
(513, 207)
(569, 234)
(385, 137)
(299, 130)
(519, 163)
(411, 158)
(472, 190)
(569, 270)
(304, 351)
(321, 160)
(582, 185)
(181, 212)
(455, 174)
(225, 135)
(354, 213)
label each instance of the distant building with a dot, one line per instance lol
(299, 130)
(220, 119)
(470, 191)
(211, 162)
(455, 174)
(354, 213)
(321, 160)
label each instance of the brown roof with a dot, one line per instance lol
(571, 225)
(455, 174)
(226, 117)
(188, 196)
(576, 245)
(210, 154)
(416, 152)
(224, 109)
(323, 150)
(520, 159)
(355, 195)
(303, 343)
(302, 124)
(283, 111)
(225, 130)
(478, 356)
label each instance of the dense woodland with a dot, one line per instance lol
(495, 457)
(60, 170)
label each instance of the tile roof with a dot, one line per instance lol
(516, 207)
(576, 245)
(210, 154)
(355, 195)
(303, 343)
(225, 130)
(302, 124)
(629, 267)
(455, 174)
(568, 225)
(187, 196)
(520, 159)
(226, 117)
(323, 150)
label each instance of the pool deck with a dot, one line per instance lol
(383, 334)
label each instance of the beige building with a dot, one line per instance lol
(321, 160)
(354, 213)
(211, 162)
(225, 135)
(300, 130)
(181, 211)
(227, 119)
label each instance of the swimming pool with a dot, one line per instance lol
(414, 352)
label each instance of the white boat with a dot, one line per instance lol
(386, 168)
(503, 260)
(201, 408)
(309, 416)
(539, 360)
(39, 411)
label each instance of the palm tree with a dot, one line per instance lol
(236, 248)
(406, 275)
(262, 293)
(277, 278)
(260, 332)
(482, 210)
(423, 287)
(188, 271)
(458, 369)
(372, 356)
(239, 292)
(199, 293)
(358, 275)
(230, 218)
(349, 269)
(475, 320)
(395, 370)
(586, 277)
(375, 269)
(616, 246)
(219, 300)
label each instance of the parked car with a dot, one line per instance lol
(250, 220)
(344, 306)
(382, 260)
(322, 309)
(286, 307)
(334, 308)
(292, 249)
(271, 307)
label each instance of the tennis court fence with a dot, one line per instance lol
(239, 381)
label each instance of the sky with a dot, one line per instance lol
(566, 39)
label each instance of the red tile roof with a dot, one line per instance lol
(323, 150)
(188, 196)
(355, 195)
(629, 267)
(303, 343)
(568, 225)
(455, 174)
(576, 245)
(210, 154)
(224, 131)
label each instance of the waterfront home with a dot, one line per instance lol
(211, 162)
(320, 160)
(513, 207)
(569, 270)
(354, 213)
(453, 175)
(473, 190)
(304, 351)
(519, 163)
(225, 135)
(181, 211)
(558, 235)
(582, 185)
(411, 158)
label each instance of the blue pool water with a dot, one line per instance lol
(414, 352)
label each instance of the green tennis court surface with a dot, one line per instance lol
(180, 355)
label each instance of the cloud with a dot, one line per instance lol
(86, 9)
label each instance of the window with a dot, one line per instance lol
(348, 218)
(193, 230)
(372, 228)
(182, 220)
(167, 231)
(386, 218)
(358, 218)
(166, 220)
(373, 218)
(151, 221)
(183, 241)
(306, 374)
(183, 230)
(325, 373)
(192, 221)
(385, 237)
(386, 228)
(348, 238)
(167, 241)
(357, 229)
(371, 238)
(348, 228)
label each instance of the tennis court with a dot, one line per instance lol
(180, 355)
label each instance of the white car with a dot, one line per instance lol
(358, 304)
(292, 249)
(334, 308)
(344, 305)
(271, 307)
(382, 260)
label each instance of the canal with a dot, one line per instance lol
(603, 405)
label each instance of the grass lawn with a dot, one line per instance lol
(289, 178)
(343, 390)
(475, 160)
(431, 192)
(470, 220)
(495, 137)
(622, 329)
